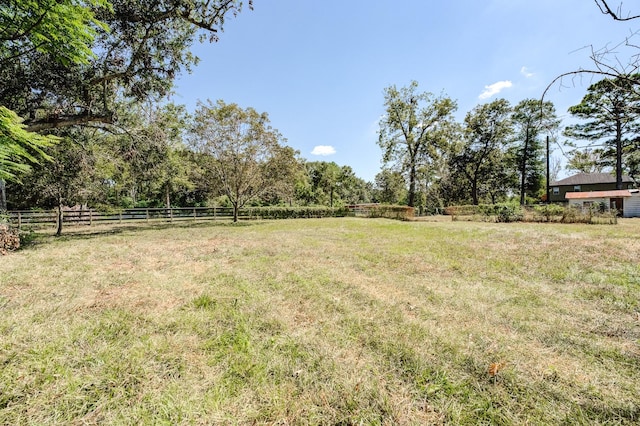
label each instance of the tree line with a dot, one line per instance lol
(499, 151)
(84, 120)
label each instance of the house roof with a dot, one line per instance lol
(590, 179)
(620, 193)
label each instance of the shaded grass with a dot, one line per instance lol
(332, 321)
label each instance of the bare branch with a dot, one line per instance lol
(616, 15)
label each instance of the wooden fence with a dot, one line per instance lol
(88, 217)
(39, 219)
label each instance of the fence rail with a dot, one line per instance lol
(89, 217)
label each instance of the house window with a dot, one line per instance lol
(576, 188)
(556, 190)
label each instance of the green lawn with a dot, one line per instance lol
(328, 321)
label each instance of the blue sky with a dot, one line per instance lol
(319, 67)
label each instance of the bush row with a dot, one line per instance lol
(385, 211)
(500, 212)
(510, 212)
(572, 214)
(367, 210)
(291, 212)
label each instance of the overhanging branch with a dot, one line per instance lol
(616, 15)
(63, 121)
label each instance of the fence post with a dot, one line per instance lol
(120, 217)
(214, 213)
(90, 218)
(171, 214)
(147, 213)
(195, 216)
(19, 220)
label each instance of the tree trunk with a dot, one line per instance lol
(133, 193)
(167, 197)
(412, 186)
(60, 217)
(3, 196)
(235, 212)
(474, 191)
(331, 197)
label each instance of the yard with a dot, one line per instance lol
(324, 321)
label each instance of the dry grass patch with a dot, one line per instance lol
(349, 321)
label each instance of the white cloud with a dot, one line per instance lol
(524, 71)
(323, 150)
(494, 89)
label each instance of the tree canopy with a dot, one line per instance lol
(64, 30)
(61, 31)
(71, 62)
(124, 49)
(413, 126)
(247, 154)
(487, 132)
(531, 120)
(18, 147)
(612, 110)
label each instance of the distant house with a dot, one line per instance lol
(585, 182)
(625, 201)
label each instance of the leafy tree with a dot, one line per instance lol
(18, 147)
(65, 180)
(390, 187)
(352, 189)
(586, 161)
(324, 178)
(329, 184)
(125, 49)
(70, 62)
(285, 178)
(246, 152)
(413, 126)
(62, 30)
(153, 152)
(483, 160)
(450, 188)
(531, 119)
(613, 110)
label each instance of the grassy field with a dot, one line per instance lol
(331, 321)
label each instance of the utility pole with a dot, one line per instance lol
(548, 177)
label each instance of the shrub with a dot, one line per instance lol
(573, 214)
(548, 211)
(501, 212)
(464, 210)
(392, 212)
(383, 210)
(292, 212)
(508, 212)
